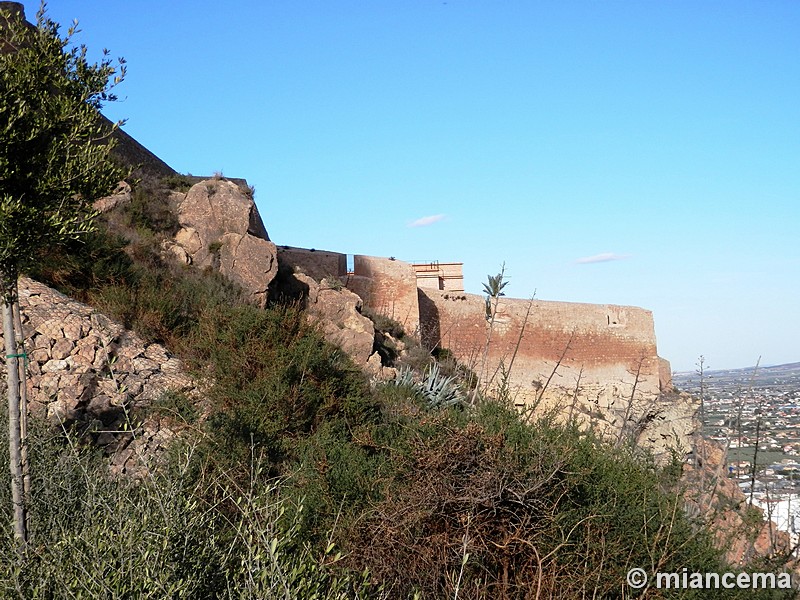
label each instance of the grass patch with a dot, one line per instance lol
(176, 534)
(176, 405)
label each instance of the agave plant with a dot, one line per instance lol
(405, 377)
(439, 390)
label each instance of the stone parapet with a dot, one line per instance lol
(598, 363)
(317, 264)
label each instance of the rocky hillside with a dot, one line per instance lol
(215, 226)
(273, 432)
(514, 503)
(87, 371)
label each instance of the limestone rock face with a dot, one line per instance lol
(344, 325)
(337, 311)
(221, 229)
(86, 370)
(670, 424)
(177, 251)
(376, 369)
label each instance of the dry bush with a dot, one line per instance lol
(494, 508)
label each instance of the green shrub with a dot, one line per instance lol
(505, 508)
(80, 266)
(332, 282)
(215, 248)
(150, 208)
(177, 182)
(164, 304)
(176, 405)
(276, 382)
(415, 358)
(172, 535)
(384, 324)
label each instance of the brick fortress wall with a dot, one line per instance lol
(592, 351)
(388, 287)
(597, 349)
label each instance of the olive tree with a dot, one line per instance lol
(54, 160)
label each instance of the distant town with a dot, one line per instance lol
(755, 414)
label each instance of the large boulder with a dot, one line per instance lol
(221, 229)
(343, 324)
(669, 424)
(337, 311)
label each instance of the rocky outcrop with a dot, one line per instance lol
(342, 323)
(87, 371)
(741, 531)
(668, 424)
(119, 197)
(337, 311)
(221, 229)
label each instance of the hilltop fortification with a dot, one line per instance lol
(598, 363)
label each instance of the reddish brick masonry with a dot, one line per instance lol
(596, 349)
(436, 275)
(389, 287)
(594, 352)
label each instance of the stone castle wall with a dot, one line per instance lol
(385, 286)
(388, 287)
(598, 348)
(318, 264)
(596, 363)
(440, 276)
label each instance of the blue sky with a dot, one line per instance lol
(643, 153)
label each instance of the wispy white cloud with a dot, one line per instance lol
(603, 257)
(425, 221)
